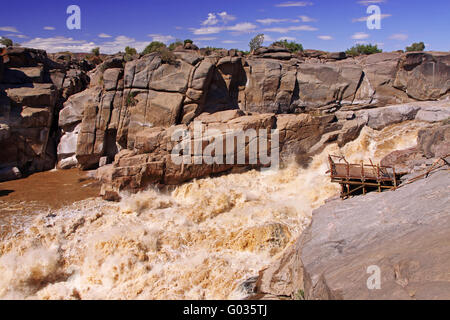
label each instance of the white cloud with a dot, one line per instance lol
(161, 38)
(20, 36)
(307, 19)
(213, 19)
(364, 19)
(292, 28)
(242, 27)
(294, 4)
(49, 28)
(104, 35)
(304, 28)
(120, 43)
(268, 39)
(286, 38)
(9, 29)
(230, 41)
(238, 28)
(279, 30)
(399, 37)
(207, 30)
(226, 17)
(58, 44)
(269, 21)
(205, 39)
(326, 38)
(369, 2)
(360, 36)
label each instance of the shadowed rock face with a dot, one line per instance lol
(32, 89)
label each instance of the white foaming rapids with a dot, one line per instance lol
(199, 242)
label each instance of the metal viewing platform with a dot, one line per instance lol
(364, 178)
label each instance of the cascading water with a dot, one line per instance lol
(199, 242)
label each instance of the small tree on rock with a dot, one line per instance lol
(130, 51)
(291, 46)
(360, 49)
(96, 51)
(256, 42)
(175, 44)
(153, 47)
(6, 42)
(417, 46)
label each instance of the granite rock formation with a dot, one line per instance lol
(93, 115)
(32, 89)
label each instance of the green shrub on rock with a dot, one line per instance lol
(292, 46)
(6, 42)
(360, 49)
(417, 46)
(154, 46)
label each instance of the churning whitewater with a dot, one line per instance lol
(199, 242)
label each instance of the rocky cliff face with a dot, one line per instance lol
(404, 233)
(126, 100)
(129, 100)
(32, 90)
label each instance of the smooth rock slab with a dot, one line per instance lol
(406, 233)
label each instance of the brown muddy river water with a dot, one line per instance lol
(21, 200)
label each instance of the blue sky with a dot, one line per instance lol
(318, 24)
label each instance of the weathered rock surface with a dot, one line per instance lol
(405, 233)
(435, 143)
(432, 143)
(147, 93)
(424, 76)
(406, 239)
(32, 90)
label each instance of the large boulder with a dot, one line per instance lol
(435, 142)
(424, 75)
(24, 75)
(382, 117)
(32, 95)
(171, 78)
(26, 115)
(10, 173)
(72, 112)
(327, 84)
(270, 88)
(377, 88)
(400, 235)
(18, 57)
(391, 235)
(432, 111)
